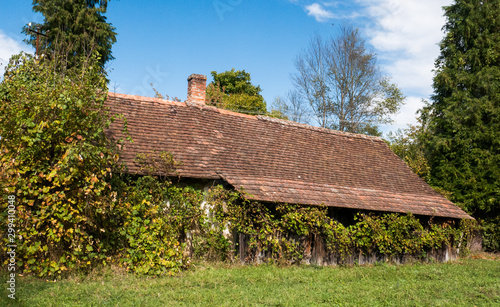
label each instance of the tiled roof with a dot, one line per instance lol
(276, 160)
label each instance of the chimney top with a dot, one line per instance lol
(197, 85)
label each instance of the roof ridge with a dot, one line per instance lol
(319, 129)
(145, 98)
(255, 117)
(179, 103)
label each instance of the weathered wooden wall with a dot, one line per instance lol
(315, 252)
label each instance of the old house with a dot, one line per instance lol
(276, 160)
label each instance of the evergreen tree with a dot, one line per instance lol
(464, 116)
(73, 28)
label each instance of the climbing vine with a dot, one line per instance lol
(278, 231)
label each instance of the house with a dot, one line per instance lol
(275, 160)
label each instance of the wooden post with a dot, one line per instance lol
(38, 33)
(242, 247)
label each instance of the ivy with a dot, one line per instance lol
(278, 230)
(155, 218)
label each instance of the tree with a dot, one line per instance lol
(56, 162)
(464, 117)
(73, 28)
(408, 144)
(345, 89)
(232, 90)
(291, 107)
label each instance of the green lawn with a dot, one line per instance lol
(467, 282)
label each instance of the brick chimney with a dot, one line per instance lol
(197, 85)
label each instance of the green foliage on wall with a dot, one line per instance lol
(277, 230)
(155, 217)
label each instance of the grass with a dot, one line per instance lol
(467, 282)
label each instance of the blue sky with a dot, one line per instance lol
(163, 42)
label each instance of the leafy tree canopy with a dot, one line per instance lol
(73, 28)
(233, 90)
(235, 82)
(406, 144)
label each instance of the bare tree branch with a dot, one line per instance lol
(341, 81)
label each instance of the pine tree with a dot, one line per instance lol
(73, 28)
(464, 116)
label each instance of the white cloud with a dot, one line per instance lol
(412, 75)
(408, 32)
(406, 35)
(318, 12)
(407, 115)
(8, 47)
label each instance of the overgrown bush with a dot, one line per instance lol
(148, 239)
(156, 217)
(491, 233)
(57, 162)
